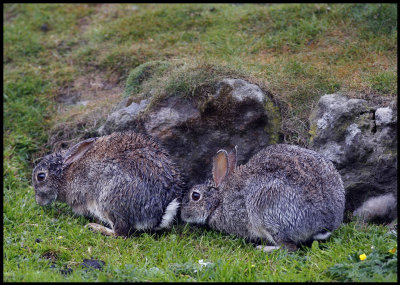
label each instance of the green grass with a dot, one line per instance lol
(175, 255)
(296, 52)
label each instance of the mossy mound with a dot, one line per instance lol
(195, 109)
(142, 73)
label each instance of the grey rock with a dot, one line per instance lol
(242, 90)
(174, 113)
(332, 111)
(361, 140)
(383, 116)
(193, 130)
(125, 116)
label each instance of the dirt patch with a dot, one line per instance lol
(84, 24)
(50, 255)
(83, 106)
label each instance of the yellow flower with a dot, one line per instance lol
(363, 256)
(393, 250)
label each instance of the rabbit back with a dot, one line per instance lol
(126, 180)
(291, 194)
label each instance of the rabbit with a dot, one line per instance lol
(284, 195)
(125, 180)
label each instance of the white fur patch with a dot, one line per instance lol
(322, 236)
(376, 207)
(93, 208)
(267, 248)
(169, 214)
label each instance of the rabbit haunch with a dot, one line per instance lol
(125, 180)
(285, 194)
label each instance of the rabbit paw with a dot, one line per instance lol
(267, 248)
(102, 229)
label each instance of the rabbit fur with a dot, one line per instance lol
(285, 195)
(125, 180)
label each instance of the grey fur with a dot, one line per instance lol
(376, 208)
(124, 179)
(285, 194)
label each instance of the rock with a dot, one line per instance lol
(242, 90)
(361, 140)
(124, 118)
(193, 130)
(383, 116)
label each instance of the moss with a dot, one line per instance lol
(339, 132)
(365, 122)
(142, 73)
(196, 79)
(192, 80)
(312, 132)
(274, 121)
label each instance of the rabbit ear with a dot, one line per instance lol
(220, 167)
(232, 160)
(76, 152)
(37, 160)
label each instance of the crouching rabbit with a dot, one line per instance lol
(284, 195)
(125, 180)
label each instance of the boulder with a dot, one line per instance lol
(193, 130)
(361, 140)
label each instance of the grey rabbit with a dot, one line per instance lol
(285, 195)
(125, 180)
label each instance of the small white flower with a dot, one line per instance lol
(202, 263)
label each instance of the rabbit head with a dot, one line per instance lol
(202, 199)
(47, 175)
(45, 179)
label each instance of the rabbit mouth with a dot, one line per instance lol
(44, 201)
(192, 219)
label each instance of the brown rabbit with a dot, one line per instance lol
(285, 195)
(125, 180)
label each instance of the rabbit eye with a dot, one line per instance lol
(41, 176)
(195, 196)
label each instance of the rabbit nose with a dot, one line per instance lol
(39, 200)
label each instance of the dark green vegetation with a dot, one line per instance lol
(296, 52)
